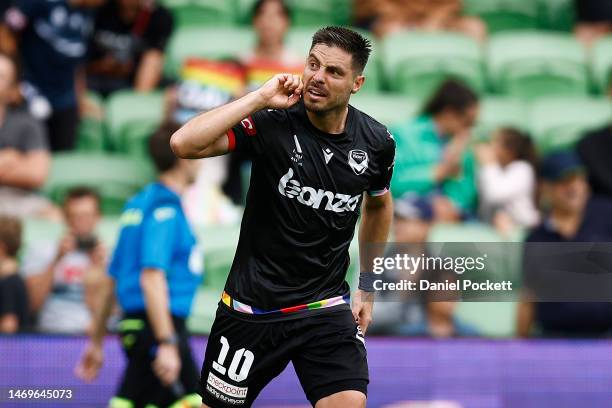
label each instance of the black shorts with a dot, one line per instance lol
(140, 386)
(327, 350)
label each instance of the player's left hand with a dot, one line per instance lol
(363, 304)
(91, 361)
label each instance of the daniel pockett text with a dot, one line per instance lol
(435, 273)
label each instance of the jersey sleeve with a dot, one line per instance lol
(159, 233)
(248, 135)
(382, 179)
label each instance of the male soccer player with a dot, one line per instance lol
(286, 299)
(156, 269)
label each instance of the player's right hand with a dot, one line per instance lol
(282, 91)
(91, 361)
(167, 364)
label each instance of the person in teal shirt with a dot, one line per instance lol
(434, 176)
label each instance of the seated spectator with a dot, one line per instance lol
(434, 175)
(13, 295)
(52, 42)
(438, 319)
(593, 20)
(63, 277)
(573, 216)
(127, 47)
(594, 150)
(388, 16)
(507, 181)
(271, 21)
(24, 155)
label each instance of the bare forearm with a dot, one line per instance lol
(374, 229)
(39, 286)
(149, 71)
(30, 172)
(155, 290)
(103, 312)
(200, 133)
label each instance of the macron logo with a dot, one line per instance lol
(336, 202)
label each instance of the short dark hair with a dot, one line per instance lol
(348, 40)
(78, 192)
(159, 146)
(451, 94)
(10, 234)
(519, 143)
(260, 3)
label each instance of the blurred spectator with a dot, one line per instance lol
(595, 151)
(127, 46)
(387, 16)
(594, 20)
(63, 278)
(51, 38)
(24, 155)
(438, 319)
(573, 216)
(507, 181)
(13, 295)
(434, 176)
(271, 21)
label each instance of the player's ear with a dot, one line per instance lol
(357, 83)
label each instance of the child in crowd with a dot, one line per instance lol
(507, 181)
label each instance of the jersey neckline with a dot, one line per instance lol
(332, 137)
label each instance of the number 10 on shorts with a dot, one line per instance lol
(243, 355)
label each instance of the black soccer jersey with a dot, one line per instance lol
(303, 203)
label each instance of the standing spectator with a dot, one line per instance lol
(156, 269)
(594, 20)
(271, 21)
(388, 16)
(127, 47)
(13, 295)
(64, 278)
(52, 42)
(574, 216)
(434, 176)
(507, 181)
(594, 150)
(24, 155)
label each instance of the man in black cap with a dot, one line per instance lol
(572, 216)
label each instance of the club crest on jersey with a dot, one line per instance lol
(311, 197)
(358, 160)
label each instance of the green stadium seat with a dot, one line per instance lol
(556, 14)
(492, 319)
(601, 63)
(417, 62)
(208, 42)
(311, 13)
(558, 123)
(300, 39)
(388, 109)
(201, 12)
(90, 133)
(134, 137)
(503, 15)
(126, 107)
(530, 64)
(115, 177)
(496, 112)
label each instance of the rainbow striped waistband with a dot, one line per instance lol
(320, 304)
